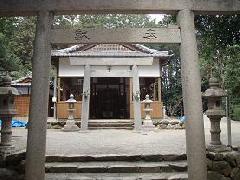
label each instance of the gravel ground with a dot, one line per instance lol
(99, 142)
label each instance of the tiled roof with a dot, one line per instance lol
(109, 50)
(25, 81)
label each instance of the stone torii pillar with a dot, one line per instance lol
(191, 84)
(36, 141)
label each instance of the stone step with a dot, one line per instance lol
(111, 127)
(110, 124)
(116, 176)
(117, 157)
(99, 124)
(111, 121)
(116, 167)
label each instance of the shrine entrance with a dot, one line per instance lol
(109, 98)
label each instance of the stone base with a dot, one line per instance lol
(170, 123)
(6, 150)
(218, 148)
(70, 126)
(148, 125)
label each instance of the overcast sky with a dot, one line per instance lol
(158, 17)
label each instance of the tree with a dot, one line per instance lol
(219, 41)
(219, 44)
(16, 38)
(105, 21)
(8, 60)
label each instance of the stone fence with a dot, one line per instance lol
(223, 166)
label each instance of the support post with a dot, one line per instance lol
(36, 141)
(136, 99)
(86, 98)
(229, 126)
(55, 97)
(191, 84)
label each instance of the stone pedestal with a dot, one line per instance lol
(6, 145)
(70, 125)
(147, 123)
(6, 132)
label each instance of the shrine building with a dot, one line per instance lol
(111, 85)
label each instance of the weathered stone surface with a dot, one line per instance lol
(212, 175)
(237, 158)
(164, 121)
(117, 176)
(209, 164)
(215, 156)
(163, 126)
(178, 126)
(55, 127)
(235, 174)
(174, 121)
(169, 126)
(222, 167)
(15, 159)
(6, 174)
(231, 159)
(170, 123)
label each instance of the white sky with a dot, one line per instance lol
(158, 17)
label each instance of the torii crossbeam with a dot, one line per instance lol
(31, 7)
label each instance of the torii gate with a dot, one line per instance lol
(185, 10)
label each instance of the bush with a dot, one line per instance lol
(236, 113)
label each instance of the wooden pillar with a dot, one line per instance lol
(86, 98)
(36, 142)
(55, 97)
(58, 89)
(191, 83)
(136, 99)
(159, 89)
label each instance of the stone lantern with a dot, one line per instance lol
(147, 123)
(7, 111)
(215, 112)
(70, 125)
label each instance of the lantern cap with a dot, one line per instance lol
(214, 90)
(147, 99)
(213, 82)
(5, 86)
(71, 100)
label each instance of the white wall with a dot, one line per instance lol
(66, 70)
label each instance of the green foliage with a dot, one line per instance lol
(236, 113)
(8, 60)
(171, 81)
(218, 43)
(171, 75)
(105, 21)
(219, 47)
(16, 37)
